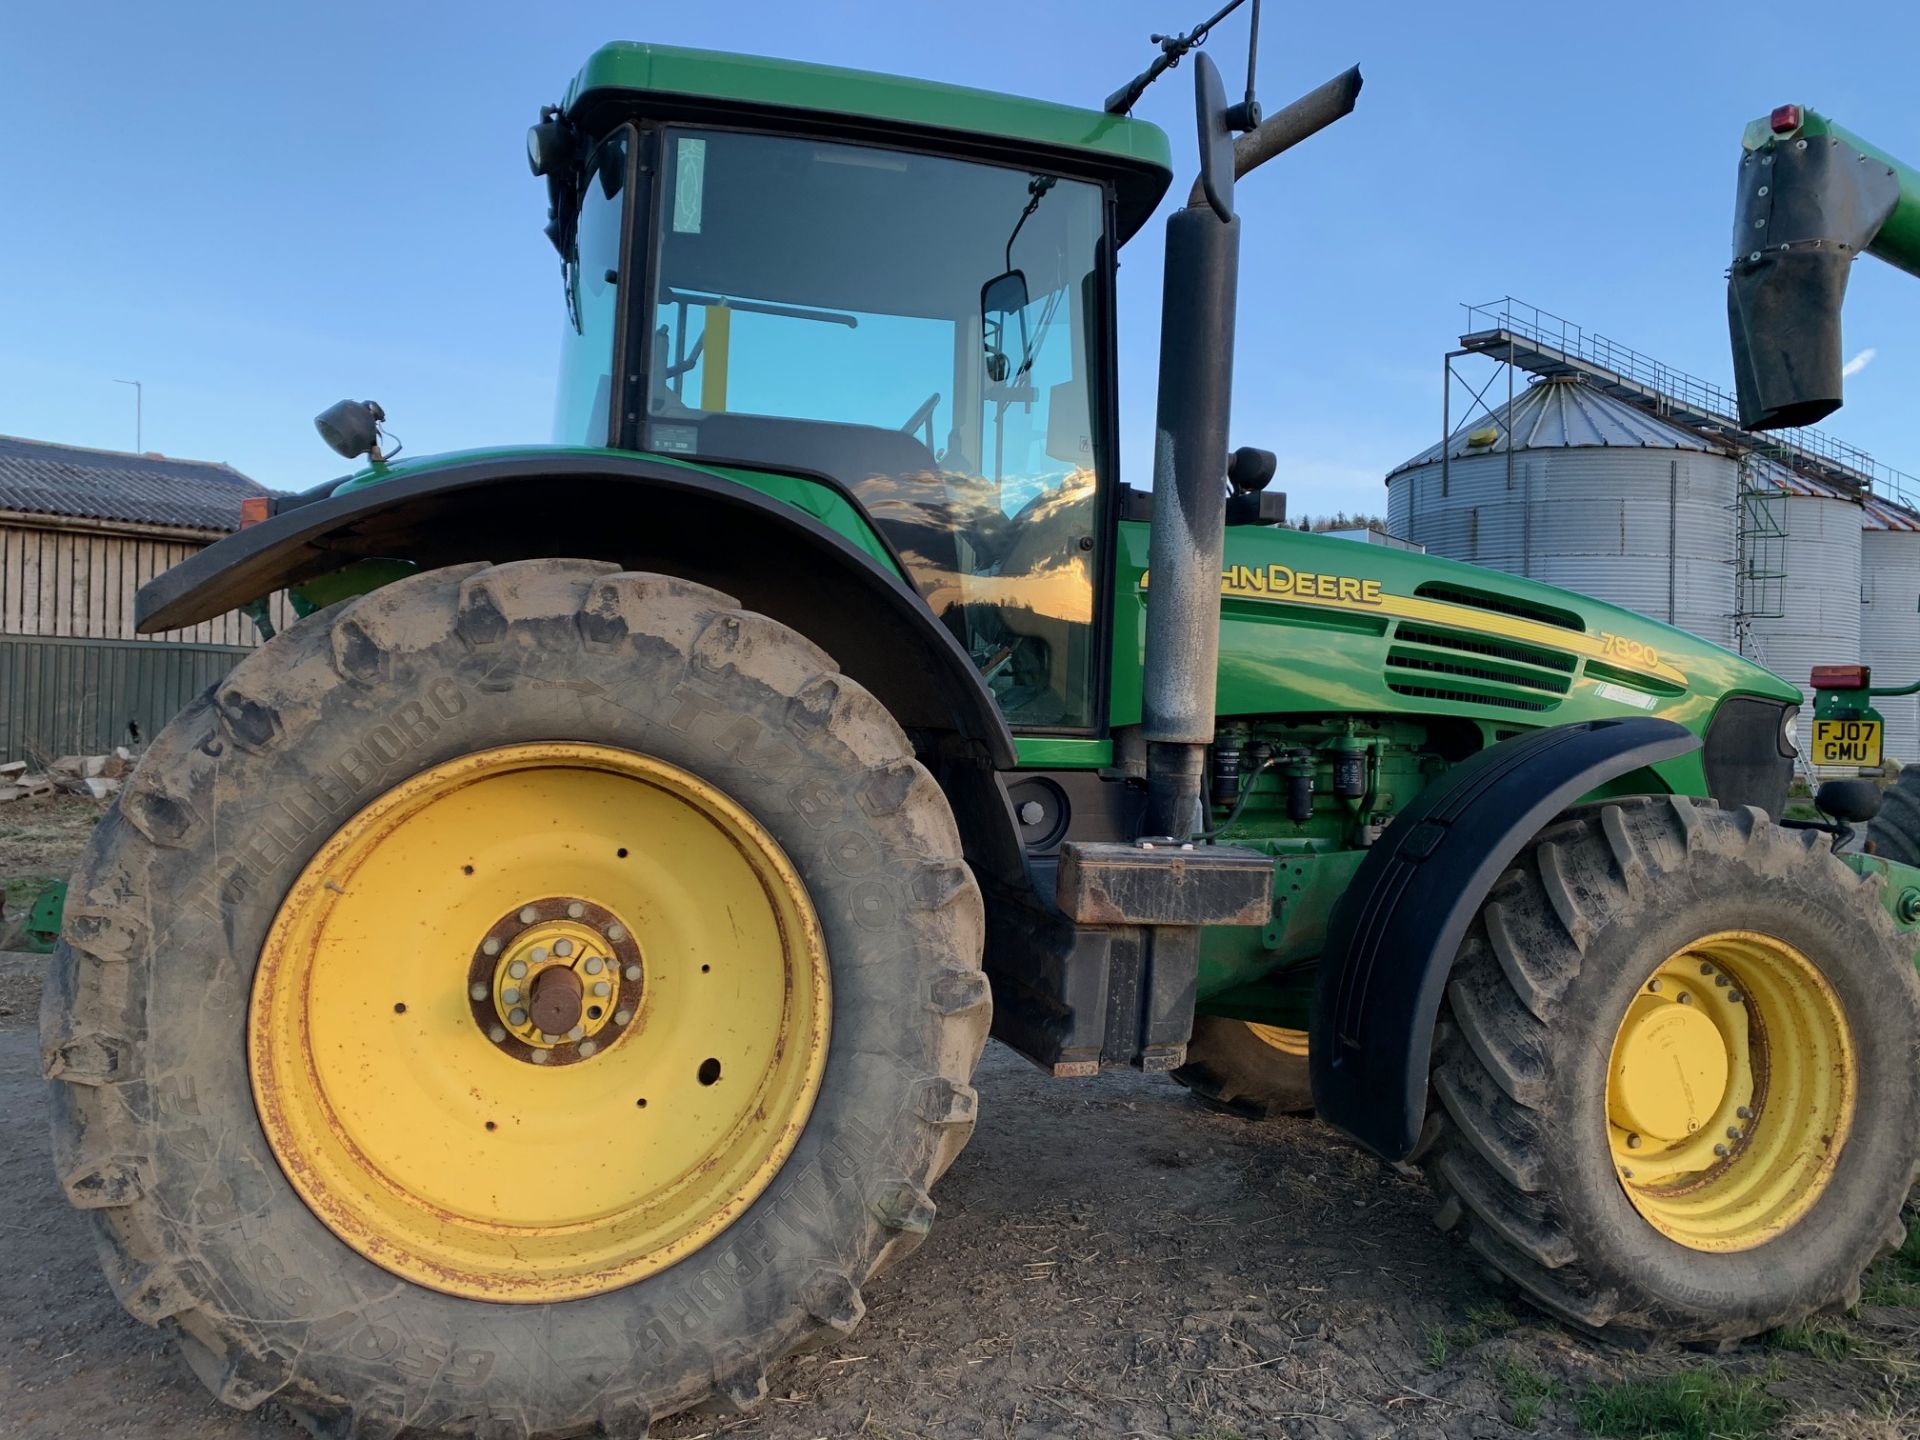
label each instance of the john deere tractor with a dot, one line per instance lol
(539, 989)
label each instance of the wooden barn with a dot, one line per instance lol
(80, 532)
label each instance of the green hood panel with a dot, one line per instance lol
(1311, 623)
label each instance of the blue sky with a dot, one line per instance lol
(258, 209)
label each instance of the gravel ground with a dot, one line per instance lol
(1111, 1260)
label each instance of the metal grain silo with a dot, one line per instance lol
(1890, 617)
(1596, 496)
(1816, 620)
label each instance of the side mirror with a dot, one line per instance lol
(1001, 298)
(1004, 295)
(1216, 136)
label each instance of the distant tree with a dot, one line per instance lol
(1340, 520)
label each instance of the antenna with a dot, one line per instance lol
(139, 397)
(1173, 49)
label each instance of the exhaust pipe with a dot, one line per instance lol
(1190, 447)
(1810, 199)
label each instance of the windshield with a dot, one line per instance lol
(916, 328)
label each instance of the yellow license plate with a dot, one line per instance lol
(1847, 742)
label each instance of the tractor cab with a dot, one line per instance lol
(906, 318)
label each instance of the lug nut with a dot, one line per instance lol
(576, 909)
(518, 969)
(621, 1017)
(1744, 1113)
(528, 915)
(539, 1057)
(1625, 1174)
(616, 932)
(594, 965)
(1654, 984)
(1735, 997)
(1733, 1132)
(1720, 1150)
(517, 1016)
(1633, 1142)
(633, 972)
(1685, 998)
(490, 946)
(496, 1033)
(1720, 980)
(511, 995)
(477, 991)
(601, 987)
(587, 1047)
(576, 1032)
(1706, 969)
(539, 954)
(563, 948)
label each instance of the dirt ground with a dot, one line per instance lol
(1110, 1260)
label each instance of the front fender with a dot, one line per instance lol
(633, 511)
(1392, 937)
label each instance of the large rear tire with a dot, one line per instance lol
(330, 1142)
(1675, 1088)
(1255, 1071)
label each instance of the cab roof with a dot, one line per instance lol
(669, 82)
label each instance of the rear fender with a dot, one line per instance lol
(643, 514)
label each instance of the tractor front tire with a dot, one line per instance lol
(1675, 1086)
(1247, 1069)
(525, 1000)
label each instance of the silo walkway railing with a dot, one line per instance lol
(1536, 340)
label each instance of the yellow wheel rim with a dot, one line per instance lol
(1730, 1091)
(1290, 1042)
(397, 1034)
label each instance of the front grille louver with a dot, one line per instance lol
(1431, 663)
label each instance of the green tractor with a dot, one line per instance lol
(539, 990)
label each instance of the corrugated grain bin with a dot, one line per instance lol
(1819, 609)
(1599, 498)
(1890, 619)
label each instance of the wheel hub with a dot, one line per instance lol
(1730, 1091)
(439, 1071)
(1670, 1069)
(555, 981)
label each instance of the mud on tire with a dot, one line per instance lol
(1516, 1143)
(144, 1022)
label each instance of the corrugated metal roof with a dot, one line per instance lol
(48, 479)
(1878, 514)
(1562, 413)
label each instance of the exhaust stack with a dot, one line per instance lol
(1190, 442)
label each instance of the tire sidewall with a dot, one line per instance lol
(1834, 926)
